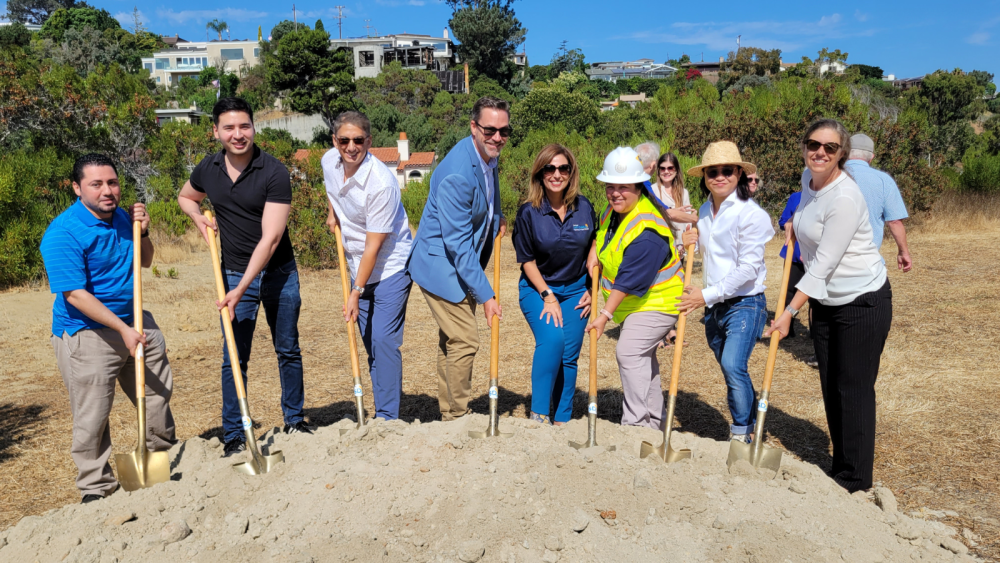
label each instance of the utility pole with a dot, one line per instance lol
(738, 44)
(368, 33)
(340, 21)
(295, 21)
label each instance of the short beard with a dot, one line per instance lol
(97, 209)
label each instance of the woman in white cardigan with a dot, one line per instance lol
(849, 295)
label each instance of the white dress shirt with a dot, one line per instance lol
(487, 168)
(841, 262)
(368, 202)
(732, 248)
(666, 197)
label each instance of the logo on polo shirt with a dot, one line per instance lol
(584, 227)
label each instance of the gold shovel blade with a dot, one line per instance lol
(259, 464)
(585, 445)
(769, 458)
(663, 451)
(349, 430)
(138, 470)
(488, 434)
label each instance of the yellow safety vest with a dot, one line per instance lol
(669, 282)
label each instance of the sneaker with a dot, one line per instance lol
(812, 362)
(234, 447)
(541, 418)
(91, 498)
(299, 427)
(745, 438)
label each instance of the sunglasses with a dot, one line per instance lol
(813, 145)
(491, 131)
(667, 169)
(726, 171)
(551, 169)
(753, 180)
(345, 141)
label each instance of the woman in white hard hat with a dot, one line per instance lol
(731, 234)
(641, 283)
(849, 296)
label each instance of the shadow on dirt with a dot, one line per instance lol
(18, 423)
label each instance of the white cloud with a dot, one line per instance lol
(226, 14)
(978, 38)
(127, 19)
(860, 16)
(721, 36)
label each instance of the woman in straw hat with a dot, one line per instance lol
(641, 282)
(732, 231)
(849, 296)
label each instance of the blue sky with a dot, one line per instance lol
(905, 38)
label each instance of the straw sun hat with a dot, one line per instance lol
(721, 152)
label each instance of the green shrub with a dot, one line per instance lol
(980, 174)
(166, 216)
(542, 108)
(414, 198)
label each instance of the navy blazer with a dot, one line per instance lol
(443, 260)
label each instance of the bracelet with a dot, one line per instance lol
(607, 314)
(145, 234)
(791, 311)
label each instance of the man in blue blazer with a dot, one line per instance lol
(453, 244)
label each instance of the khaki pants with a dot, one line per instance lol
(90, 362)
(458, 342)
(642, 401)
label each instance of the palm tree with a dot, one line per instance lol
(217, 26)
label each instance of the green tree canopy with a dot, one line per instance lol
(489, 33)
(65, 19)
(566, 60)
(217, 26)
(318, 80)
(868, 71)
(37, 11)
(14, 35)
(544, 107)
(285, 26)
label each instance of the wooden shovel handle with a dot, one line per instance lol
(345, 285)
(772, 351)
(227, 323)
(495, 321)
(140, 352)
(675, 369)
(595, 287)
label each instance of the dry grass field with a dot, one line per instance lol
(938, 446)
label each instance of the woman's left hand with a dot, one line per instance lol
(691, 299)
(780, 324)
(598, 325)
(585, 302)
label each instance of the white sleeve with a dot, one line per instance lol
(840, 223)
(381, 208)
(754, 232)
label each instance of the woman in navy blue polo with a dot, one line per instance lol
(553, 235)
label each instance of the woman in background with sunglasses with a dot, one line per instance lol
(732, 231)
(553, 236)
(849, 296)
(671, 191)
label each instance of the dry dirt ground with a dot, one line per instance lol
(937, 445)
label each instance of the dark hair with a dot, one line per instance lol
(226, 105)
(91, 159)
(676, 187)
(838, 127)
(355, 118)
(489, 102)
(742, 185)
(659, 205)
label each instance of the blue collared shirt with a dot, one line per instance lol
(83, 252)
(558, 247)
(786, 216)
(881, 194)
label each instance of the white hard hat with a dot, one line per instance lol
(623, 166)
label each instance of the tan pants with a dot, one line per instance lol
(458, 342)
(642, 401)
(90, 362)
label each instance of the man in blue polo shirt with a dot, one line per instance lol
(88, 252)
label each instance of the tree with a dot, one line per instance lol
(217, 26)
(564, 60)
(407, 89)
(62, 20)
(37, 11)
(984, 79)
(489, 34)
(318, 80)
(283, 27)
(753, 60)
(951, 96)
(868, 71)
(319, 26)
(544, 107)
(14, 35)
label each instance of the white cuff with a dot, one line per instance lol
(711, 295)
(812, 286)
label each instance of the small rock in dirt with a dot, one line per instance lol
(554, 543)
(907, 530)
(642, 480)
(550, 557)
(540, 488)
(419, 542)
(580, 521)
(175, 532)
(970, 536)
(954, 546)
(726, 522)
(471, 551)
(886, 500)
(120, 518)
(797, 487)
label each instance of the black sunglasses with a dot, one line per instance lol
(726, 171)
(562, 168)
(831, 148)
(490, 131)
(752, 180)
(667, 169)
(345, 141)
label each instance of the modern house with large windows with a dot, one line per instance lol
(423, 52)
(188, 58)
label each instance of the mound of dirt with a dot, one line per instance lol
(394, 491)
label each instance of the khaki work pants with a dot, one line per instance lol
(458, 342)
(642, 400)
(90, 362)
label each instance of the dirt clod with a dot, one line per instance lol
(471, 551)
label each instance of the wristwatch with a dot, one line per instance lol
(360, 289)
(545, 294)
(791, 311)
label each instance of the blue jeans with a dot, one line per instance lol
(557, 349)
(732, 328)
(381, 314)
(278, 290)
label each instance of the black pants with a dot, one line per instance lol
(849, 340)
(794, 277)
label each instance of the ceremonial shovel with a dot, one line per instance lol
(141, 468)
(664, 451)
(592, 391)
(491, 430)
(259, 463)
(755, 453)
(352, 338)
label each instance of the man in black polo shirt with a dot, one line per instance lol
(252, 195)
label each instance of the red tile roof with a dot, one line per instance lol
(388, 155)
(418, 159)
